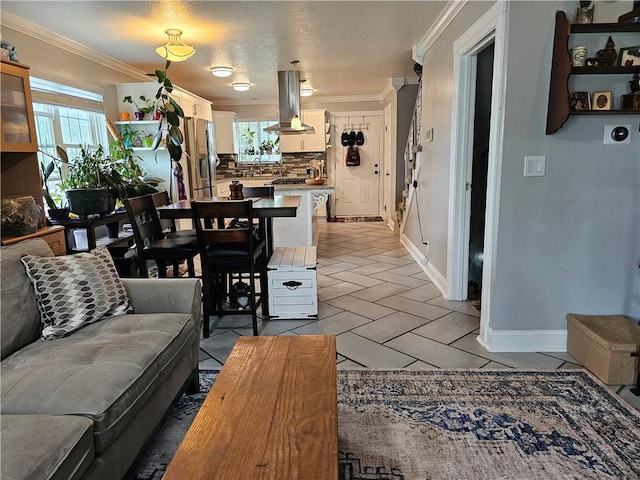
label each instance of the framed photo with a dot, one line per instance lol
(601, 101)
(629, 57)
(581, 101)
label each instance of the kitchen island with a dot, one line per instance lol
(298, 231)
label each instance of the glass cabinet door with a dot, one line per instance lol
(17, 128)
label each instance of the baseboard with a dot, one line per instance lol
(433, 273)
(523, 340)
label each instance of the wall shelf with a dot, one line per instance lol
(558, 107)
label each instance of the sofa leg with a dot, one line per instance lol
(193, 386)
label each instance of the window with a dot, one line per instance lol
(255, 141)
(67, 117)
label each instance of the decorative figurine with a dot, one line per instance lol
(607, 57)
(592, 62)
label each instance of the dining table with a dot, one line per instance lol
(264, 208)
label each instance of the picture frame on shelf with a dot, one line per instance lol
(601, 101)
(629, 57)
(580, 101)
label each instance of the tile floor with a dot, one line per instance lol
(385, 313)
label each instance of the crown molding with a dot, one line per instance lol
(314, 99)
(441, 23)
(42, 34)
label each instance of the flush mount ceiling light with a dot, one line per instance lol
(307, 92)
(241, 86)
(175, 49)
(221, 71)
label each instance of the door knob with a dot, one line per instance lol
(375, 171)
(376, 165)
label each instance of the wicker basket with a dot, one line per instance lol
(607, 345)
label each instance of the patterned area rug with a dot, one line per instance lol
(435, 424)
(356, 219)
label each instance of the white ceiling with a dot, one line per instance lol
(345, 48)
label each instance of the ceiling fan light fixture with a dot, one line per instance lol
(175, 50)
(241, 86)
(221, 71)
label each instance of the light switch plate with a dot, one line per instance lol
(429, 135)
(535, 166)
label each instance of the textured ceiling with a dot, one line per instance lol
(345, 48)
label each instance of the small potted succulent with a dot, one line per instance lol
(143, 105)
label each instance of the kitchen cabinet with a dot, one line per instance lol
(563, 72)
(18, 131)
(315, 142)
(226, 132)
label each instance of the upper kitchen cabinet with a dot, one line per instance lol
(315, 142)
(18, 131)
(226, 132)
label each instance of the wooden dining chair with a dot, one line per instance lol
(160, 199)
(259, 191)
(153, 244)
(225, 252)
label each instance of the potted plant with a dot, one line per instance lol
(56, 211)
(86, 185)
(129, 136)
(267, 146)
(143, 105)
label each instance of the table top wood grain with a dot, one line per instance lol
(271, 414)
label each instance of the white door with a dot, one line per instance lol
(388, 208)
(358, 188)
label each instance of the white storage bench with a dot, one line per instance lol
(293, 287)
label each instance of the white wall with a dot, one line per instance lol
(566, 242)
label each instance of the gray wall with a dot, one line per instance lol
(569, 241)
(566, 242)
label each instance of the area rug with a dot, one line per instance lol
(462, 424)
(355, 219)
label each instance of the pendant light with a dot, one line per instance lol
(175, 49)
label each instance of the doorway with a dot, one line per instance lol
(357, 188)
(479, 169)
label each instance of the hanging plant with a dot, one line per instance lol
(171, 112)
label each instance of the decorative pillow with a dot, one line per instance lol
(76, 290)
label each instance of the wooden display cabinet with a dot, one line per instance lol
(559, 109)
(17, 125)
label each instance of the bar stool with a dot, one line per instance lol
(239, 249)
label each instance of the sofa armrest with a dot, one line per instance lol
(167, 295)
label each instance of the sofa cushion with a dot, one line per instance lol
(19, 317)
(45, 447)
(76, 290)
(105, 371)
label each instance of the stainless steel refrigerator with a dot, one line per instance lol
(201, 158)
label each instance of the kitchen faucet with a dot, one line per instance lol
(259, 163)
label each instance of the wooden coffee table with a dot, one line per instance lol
(271, 414)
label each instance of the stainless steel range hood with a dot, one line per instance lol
(289, 104)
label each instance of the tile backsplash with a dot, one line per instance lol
(295, 163)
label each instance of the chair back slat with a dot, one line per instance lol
(259, 191)
(160, 199)
(234, 223)
(144, 219)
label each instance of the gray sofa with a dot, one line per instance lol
(83, 406)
